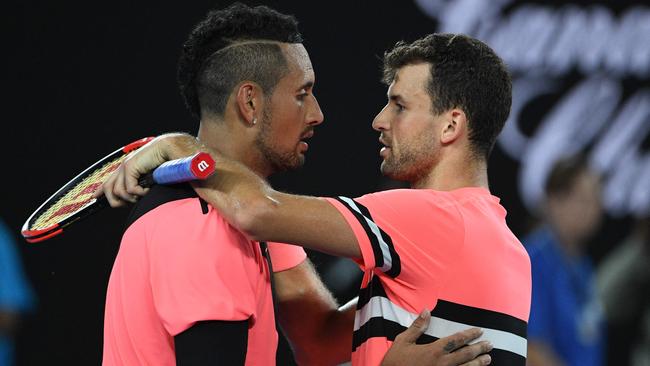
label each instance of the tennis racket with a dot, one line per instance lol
(74, 201)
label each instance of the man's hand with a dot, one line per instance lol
(122, 186)
(452, 350)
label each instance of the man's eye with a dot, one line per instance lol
(302, 96)
(399, 107)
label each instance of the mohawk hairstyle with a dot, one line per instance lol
(229, 46)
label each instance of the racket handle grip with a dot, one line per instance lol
(198, 166)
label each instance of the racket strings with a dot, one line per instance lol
(77, 197)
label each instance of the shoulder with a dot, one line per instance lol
(409, 199)
(172, 213)
(161, 200)
(404, 209)
(172, 206)
(404, 193)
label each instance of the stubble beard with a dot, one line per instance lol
(278, 160)
(410, 164)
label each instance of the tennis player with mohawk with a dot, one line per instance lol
(187, 288)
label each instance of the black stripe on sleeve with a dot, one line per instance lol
(376, 249)
(396, 265)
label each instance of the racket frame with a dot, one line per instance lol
(35, 236)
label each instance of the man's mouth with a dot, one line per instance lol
(305, 136)
(384, 150)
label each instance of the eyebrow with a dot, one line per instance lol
(306, 85)
(396, 98)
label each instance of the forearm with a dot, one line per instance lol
(264, 214)
(325, 338)
(310, 222)
(319, 332)
(243, 198)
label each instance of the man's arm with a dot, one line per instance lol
(243, 198)
(319, 331)
(242, 193)
(212, 343)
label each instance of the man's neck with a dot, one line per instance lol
(233, 143)
(454, 173)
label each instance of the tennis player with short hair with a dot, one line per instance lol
(189, 289)
(443, 244)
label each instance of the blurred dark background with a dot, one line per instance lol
(84, 78)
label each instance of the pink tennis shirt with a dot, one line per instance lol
(180, 262)
(447, 251)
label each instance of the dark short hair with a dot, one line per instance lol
(229, 46)
(564, 174)
(465, 73)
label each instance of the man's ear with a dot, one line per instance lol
(454, 126)
(249, 99)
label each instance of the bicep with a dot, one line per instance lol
(212, 343)
(310, 222)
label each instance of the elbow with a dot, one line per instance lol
(247, 210)
(255, 219)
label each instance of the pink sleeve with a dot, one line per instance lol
(367, 260)
(201, 268)
(285, 256)
(402, 229)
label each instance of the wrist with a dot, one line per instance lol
(177, 145)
